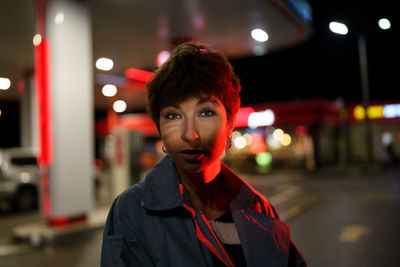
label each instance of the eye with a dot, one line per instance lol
(172, 115)
(207, 113)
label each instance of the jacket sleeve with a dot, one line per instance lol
(121, 247)
(296, 259)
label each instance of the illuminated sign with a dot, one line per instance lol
(262, 118)
(387, 111)
(247, 117)
(391, 111)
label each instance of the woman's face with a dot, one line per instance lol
(194, 132)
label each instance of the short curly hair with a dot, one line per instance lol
(193, 70)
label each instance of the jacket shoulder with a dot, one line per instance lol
(126, 209)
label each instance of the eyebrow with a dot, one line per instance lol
(200, 102)
(208, 99)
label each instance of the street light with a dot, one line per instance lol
(340, 28)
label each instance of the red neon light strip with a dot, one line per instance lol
(62, 220)
(42, 84)
(43, 100)
(139, 75)
(242, 116)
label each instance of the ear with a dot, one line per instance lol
(231, 126)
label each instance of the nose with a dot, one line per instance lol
(189, 133)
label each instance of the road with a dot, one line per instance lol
(355, 224)
(336, 219)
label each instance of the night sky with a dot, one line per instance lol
(327, 65)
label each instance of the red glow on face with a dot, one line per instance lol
(138, 75)
(242, 116)
(301, 130)
(194, 134)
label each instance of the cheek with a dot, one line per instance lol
(168, 135)
(216, 139)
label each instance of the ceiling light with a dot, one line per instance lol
(5, 83)
(259, 35)
(119, 106)
(104, 64)
(37, 39)
(109, 90)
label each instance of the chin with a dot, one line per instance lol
(192, 168)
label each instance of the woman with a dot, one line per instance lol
(192, 210)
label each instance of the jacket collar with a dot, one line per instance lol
(161, 187)
(260, 233)
(163, 191)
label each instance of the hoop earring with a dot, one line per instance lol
(163, 148)
(228, 142)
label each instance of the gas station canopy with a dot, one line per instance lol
(133, 32)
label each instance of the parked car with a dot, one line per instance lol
(19, 177)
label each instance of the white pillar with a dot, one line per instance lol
(28, 115)
(71, 173)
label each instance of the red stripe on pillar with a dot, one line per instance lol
(42, 84)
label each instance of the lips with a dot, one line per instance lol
(192, 155)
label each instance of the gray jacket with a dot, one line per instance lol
(153, 224)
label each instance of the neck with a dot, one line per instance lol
(206, 188)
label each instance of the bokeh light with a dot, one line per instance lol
(261, 118)
(249, 138)
(387, 138)
(259, 35)
(104, 64)
(258, 144)
(278, 134)
(240, 142)
(273, 143)
(263, 159)
(5, 83)
(300, 130)
(384, 24)
(162, 57)
(286, 140)
(37, 39)
(119, 106)
(109, 90)
(338, 28)
(359, 112)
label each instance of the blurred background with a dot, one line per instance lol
(318, 132)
